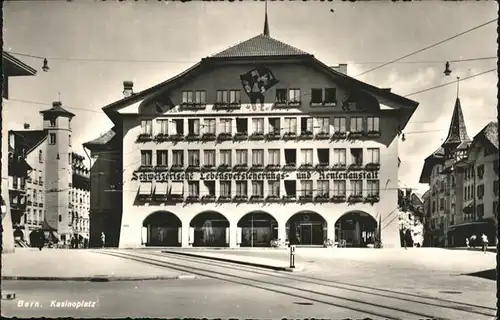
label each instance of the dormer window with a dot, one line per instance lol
(280, 95)
(187, 97)
(316, 96)
(52, 122)
(294, 95)
(330, 95)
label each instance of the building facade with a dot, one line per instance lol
(257, 143)
(79, 197)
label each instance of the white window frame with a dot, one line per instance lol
(339, 187)
(241, 157)
(209, 125)
(356, 124)
(234, 96)
(196, 126)
(306, 156)
(340, 156)
(340, 124)
(162, 126)
(357, 187)
(306, 187)
(274, 187)
(290, 125)
(209, 157)
(258, 125)
(225, 188)
(257, 157)
(373, 155)
(324, 125)
(242, 188)
(194, 188)
(274, 156)
(178, 157)
(226, 157)
(309, 124)
(323, 187)
(222, 96)
(373, 187)
(187, 96)
(145, 156)
(52, 138)
(200, 97)
(258, 188)
(162, 157)
(294, 95)
(373, 124)
(226, 125)
(193, 158)
(147, 126)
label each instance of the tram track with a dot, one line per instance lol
(357, 303)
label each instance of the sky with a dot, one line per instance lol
(151, 41)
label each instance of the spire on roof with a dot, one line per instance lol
(266, 24)
(458, 131)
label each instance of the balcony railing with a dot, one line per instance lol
(192, 106)
(209, 198)
(240, 167)
(273, 198)
(177, 167)
(161, 137)
(224, 136)
(176, 137)
(338, 198)
(290, 136)
(224, 167)
(240, 136)
(208, 167)
(240, 198)
(144, 137)
(273, 136)
(290, 167)
(208, 137)
(273, 167)
(193, 168)
(373, 134)
(227, 105)
(355, 134)
(306, 135)
(322, 136)
(306, 198)
(257, 167)
(257, 136)
(289, 198)
(193, 137)
(322, 166)
(355, 198)
(324, 197)
(306, 167)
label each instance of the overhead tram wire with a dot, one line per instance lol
(428, 47)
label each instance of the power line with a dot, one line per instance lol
(428, 47)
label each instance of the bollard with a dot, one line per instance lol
(292, 256)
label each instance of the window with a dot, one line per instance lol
(194, 127)
(209, 125)
(222, 96)
(35, 196)
(357, 187)
(52, 138)
(307, 156)
(274, 188)
(178, 127)
(294, 95)
(316, 95)
(225, 157)
(187, 96)
(241, 157)
(306, 125)
(339, 157)
(356, 124)
(194, 188)
(290, 125)
(330, 95)
(194, 158)
(258, 157)
(258, 188)
(480, 171)
(339, 188)
(69, 140)
(209, 188)
(178, 157)
(323, 156)
(495, 187)
(225, 188)
(373, 155)
(324, 125)
(242, 125)
(357, 156)
(291, 188)
(147, 126)
(258, 125)
(290, 156)
(146, 157)
(241, 188)
(52, 122)
(324, 187)
(441, 204)
(40, 156)
(234, 96)
(281, 95)
(373, 124)
(433, 206)
(373, 187)
(162, 126)
(200, 97)
(274, 157)
(209, 157)
(495, 208)
(162, 158)
(274, 125)
(307, 187)
(225, 125)
(339, 124)
(480, 211)
(480, 191)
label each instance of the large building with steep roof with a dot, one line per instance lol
(259, 142)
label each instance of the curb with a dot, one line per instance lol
(98, 278)
(8, 296)
(251, 264)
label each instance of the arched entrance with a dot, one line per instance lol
(306, 228)
(258, 228)
(210, 229)
(18, 234)
(355, 229)
(163, 229)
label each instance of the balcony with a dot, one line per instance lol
(273, 136)
(289, 136)
(191, 137)
(306, 135)
(355, 199)
(273, 167)
(161, 168)
(161, 137)
(338, 198)
(176, 137)
(289, 198)
(227, 105)
(372, 166)
(192, 199)
(208, 167)
(290, 167)
(305, 198)
(144, 137)
(210, 136)
(373, 134)
(193, 106)
(257, 198)
(177, 168)
(175, 198)
(322, 166)
(322, 136)
(240, 136)
(257, 167)
(240, 167)
(339, 135)
(145, 168)
(373, 198)
(224, 136)
(339, 166)
(225, 198)
(224, 167)
(193, 168)
(257, 136)
(356, 166)
(306, 167)
(240, 198)
(273, 199)
(322, 198)
(208, 199)
(355, 134)
(287, 104)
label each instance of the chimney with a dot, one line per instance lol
(342, 68)
(128, 88)
(26, 126)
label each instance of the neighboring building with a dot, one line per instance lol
(79, 197)
(411, 216)
(256, 143)
(11, 67)
(427, 217)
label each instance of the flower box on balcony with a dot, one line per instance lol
(355, 134)
(374, 198)
(193, 137)
(176, 137)
(289, 136)
(305, 167)
(192, 199)
(224, 199)
(240, 136)
(226, 105)
(329, 103)
(208, 137)
(160, 197)
(308, 198)
(306, 135)
(322, 136)
(339, 166)
(257, 167)
(192, 106)
(289, 198)
(257, 198)
(175, 198)
(145, 168)
(144, 137)
(372, 166)
(338, 199)
(280, 104)
(193, 168)
(290, 167)
(355, 166)
(177, 168)
(339, 135)
(355, 199)
(224, 167)
(273, 199)
(224, 136)
(161, 137)
(161, 168)
(322, 198)
(294, 104)
(235, 105)
(257, 136)
(316, 104)
(273, 167)
(322, 166)
(206, 199)
(273, 136)
(240, 199)
(240, 167)
(373, 134)
(208, 167)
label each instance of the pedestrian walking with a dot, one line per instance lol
(41, 239)
(473, 241)
(484, 240)
(467, 243)
(103, 239)
(85, 243)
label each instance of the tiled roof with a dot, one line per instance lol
(260, 46)
(102, 139)
(490, 132)
(58, 109)
(458, 131)
(30, 138)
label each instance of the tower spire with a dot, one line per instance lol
(266, 24)
(458, 86)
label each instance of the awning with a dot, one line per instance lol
(177, 187)
(145, 188)
(161, 189)
(471, 224)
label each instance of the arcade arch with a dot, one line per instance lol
(210, 229)
(355, 229)
(163, 229)
(306, 228)
(258, 228)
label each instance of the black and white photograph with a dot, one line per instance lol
(249, 159)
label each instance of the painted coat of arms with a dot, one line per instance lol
(256, 82)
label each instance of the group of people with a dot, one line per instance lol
(472, 241)
(76, 243)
